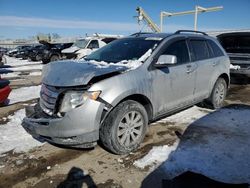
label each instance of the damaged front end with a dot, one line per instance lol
(68, 112)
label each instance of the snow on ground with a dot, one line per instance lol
(10, 75)
(159, 154)
(14, 137)
(156, 155)
(216, 145)
(35, 73)
(25, 68)
(17, 74)
(235, 67)
(186, 116)
(24, 94)
(19, 62)
(13, 67)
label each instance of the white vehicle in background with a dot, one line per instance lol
(86, 46)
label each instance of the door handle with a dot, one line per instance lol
(189, 68)
(215, 63)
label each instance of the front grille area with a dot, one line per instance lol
(48, 98)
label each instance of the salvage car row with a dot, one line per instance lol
(47, 52)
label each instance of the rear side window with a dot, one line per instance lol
(200, 49)
(217, 52)
(180, 50)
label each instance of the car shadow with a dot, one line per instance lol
(76, 179)
(213, 152)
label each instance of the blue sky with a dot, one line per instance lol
(21, 19)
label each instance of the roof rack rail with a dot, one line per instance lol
(190, 31)
(140, 33)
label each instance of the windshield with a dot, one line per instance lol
(123, 49)
(81, 43)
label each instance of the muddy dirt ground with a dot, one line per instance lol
(51, 166)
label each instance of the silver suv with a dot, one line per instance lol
(116, 91)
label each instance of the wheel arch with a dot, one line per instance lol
(226, 78)
(144, 101)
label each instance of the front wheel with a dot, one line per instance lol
(218, 94)
(124, 128)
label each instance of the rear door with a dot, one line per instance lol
(201, 55)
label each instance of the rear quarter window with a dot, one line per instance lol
(200, 49)
(217, 52)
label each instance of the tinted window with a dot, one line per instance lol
(217, 52)
(93, 44)
(180, 50)
(200, 49)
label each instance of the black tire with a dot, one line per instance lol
(45, 61)
(37, 58)
(218, 94)
(109, 130)
(54, 58)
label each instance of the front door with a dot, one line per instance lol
(173, 86)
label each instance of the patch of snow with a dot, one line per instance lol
(130, 64)
(99, 64)
(216, 146)
(10, 75)
(160, 154)
(14, 137)
(145, 56)
(235, 67)
(186, 116)
(17, 62)
(156, 155)
(24, 94)
(25, 68)
(35, 74)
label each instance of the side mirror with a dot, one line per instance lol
(165, 60)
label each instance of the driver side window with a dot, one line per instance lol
(178, 49)
(93, 44)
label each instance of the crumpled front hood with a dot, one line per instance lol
(73, 73)
(72, 49)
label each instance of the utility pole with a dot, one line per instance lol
(142, 16)
(198, 10)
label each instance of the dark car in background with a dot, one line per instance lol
(55, 52)
(237, 46)
(35, 54)
(16, 50)
(23, 53)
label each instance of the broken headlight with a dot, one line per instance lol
(74, 99)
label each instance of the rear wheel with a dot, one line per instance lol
(54, 58)
(218, 94)
(124, 128)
